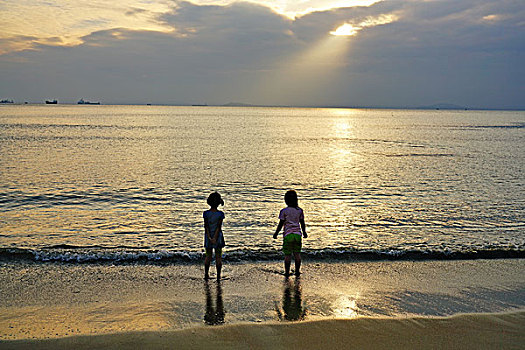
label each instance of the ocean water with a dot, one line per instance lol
(129, 183)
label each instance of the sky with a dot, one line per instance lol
(266, 52)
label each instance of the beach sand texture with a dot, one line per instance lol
(471, 304)
(469, 331)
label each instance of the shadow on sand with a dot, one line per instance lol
(214, 312)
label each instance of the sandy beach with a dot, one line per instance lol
(383, 140)
(365, 304)
(472, 331)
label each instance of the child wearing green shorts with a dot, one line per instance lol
(292, 219)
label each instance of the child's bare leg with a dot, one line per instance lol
(218, 263)
(207, 262)
(287, 263)
(297, 257)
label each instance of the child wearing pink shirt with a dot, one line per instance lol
(292, 218)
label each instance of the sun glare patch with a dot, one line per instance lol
(346, 29)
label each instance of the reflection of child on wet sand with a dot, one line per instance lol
(292, 308)
(214, 314)
(213, 238)
(292, 218)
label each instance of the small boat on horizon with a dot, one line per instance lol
(54, 102)
(7, 101)
(83, 102)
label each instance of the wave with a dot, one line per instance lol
(123, 255)
(512, 126)
(126, 196)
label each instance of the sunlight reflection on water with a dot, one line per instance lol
(137, 176)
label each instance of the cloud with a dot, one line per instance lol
(292, 8)
(352, 29)
(404, 53)
(239, 22)
(135, 11)
(70, 20)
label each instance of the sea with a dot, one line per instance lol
(128, 184)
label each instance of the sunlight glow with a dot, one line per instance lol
(293, 8)
(493, 18)
(342, 128)
(341, 154)
(346, 29)
(346, 306)
(343, 112)
(379, 20)
(307, 73)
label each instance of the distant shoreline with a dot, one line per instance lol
(230, 105)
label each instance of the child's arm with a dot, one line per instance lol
(207, 229)
(303, 227)
(279, 227)
(216, 233)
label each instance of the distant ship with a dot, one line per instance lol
(54, 102)
(7, 101)
(82, 102)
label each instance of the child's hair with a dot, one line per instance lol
(214, 200)
(291, 198)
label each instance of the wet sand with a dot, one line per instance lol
(472, 331)
(359, 303)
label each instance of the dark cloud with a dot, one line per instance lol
(465, 52)
(135, 11)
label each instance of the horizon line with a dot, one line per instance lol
(438, 106)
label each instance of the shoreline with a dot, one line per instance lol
(43, 301)
(463, 331)
(108, 256)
